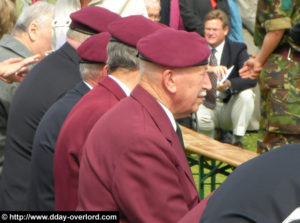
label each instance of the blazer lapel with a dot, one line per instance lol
(82, 88)
(161, 120)
(113, 87)
(68, 51)
(182, 159)
(225, 58)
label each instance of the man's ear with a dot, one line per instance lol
(102, 73)
(168, 79)
(33, 30)
(226, 30)
(105, 70)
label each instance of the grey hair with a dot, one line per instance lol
(75, 35)
(90, 71)
(39, 12)
(120, 55)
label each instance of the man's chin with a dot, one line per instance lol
(196, 106)
(211, 42)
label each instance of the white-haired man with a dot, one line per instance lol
(31, 35)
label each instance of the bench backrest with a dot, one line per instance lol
(198, 143)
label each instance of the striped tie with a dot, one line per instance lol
(210, 98)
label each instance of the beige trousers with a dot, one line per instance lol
(234, 115)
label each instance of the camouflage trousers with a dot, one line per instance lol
(274, 140)
(280, 97)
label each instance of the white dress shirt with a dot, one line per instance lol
(126, 90)
(219, 51)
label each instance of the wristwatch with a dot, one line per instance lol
(228, 85)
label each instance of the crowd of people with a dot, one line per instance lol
(91, 94)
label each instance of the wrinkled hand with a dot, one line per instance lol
(219, 71)
(251, 69)
(222, 87)
(14, 69)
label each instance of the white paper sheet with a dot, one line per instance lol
(226, 75)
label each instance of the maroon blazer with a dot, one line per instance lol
(133, 162)
(68, 149)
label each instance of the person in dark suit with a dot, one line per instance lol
(133, 161)
(194, 11)
(165, 12)
(233, 104)
(44, 85)
(30, 36)
(92, 67)
(123, 77)
(264, 189)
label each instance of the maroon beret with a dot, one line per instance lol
(93, 49)
(173, 48)
(92, 19)
(131, 28)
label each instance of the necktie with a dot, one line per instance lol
(213, 60)
(210, 98)
(179, 134)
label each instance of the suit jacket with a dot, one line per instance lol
(264, 189)
(49, 80)
(69, 147)
(134, 163)
(194, 11)
(9, 48)
(41, 186)
(235, 53)
(165, 12)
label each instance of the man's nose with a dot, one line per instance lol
(207, 83)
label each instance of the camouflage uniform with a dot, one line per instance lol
(280, 77)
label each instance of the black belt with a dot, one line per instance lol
(287, 51)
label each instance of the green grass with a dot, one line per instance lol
(249, 143)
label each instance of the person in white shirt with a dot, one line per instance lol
(233, 106)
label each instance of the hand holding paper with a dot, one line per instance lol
(224, 78)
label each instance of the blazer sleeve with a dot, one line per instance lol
(190, 18)
(148, 186)
(165, 12)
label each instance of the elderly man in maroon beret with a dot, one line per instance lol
(123, 68)
(133, 160)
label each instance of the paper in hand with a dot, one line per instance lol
(226, 75)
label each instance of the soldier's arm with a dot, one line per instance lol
(253, 66)
(270, 43)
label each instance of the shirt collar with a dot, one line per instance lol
(89, 86)
(126, 90)
(219, 48)
(170, 116)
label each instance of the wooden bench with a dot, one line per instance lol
(218, 154)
